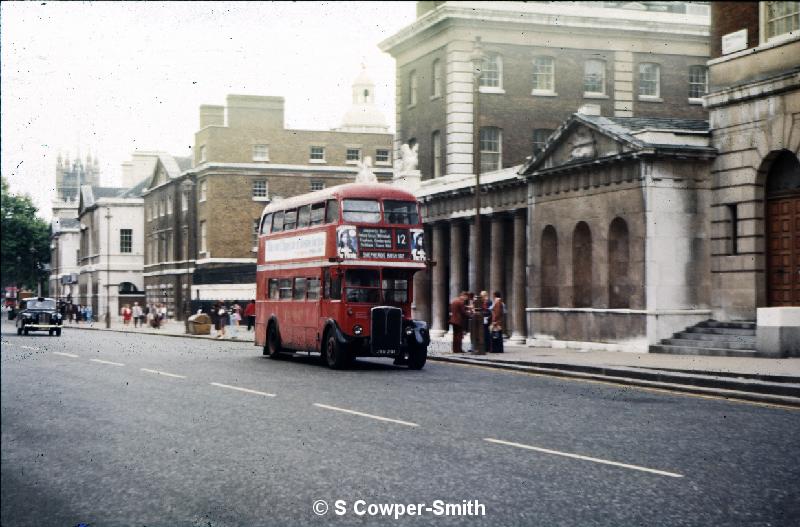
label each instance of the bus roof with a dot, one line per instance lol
(348, 190)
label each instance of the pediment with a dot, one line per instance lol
(581, 143)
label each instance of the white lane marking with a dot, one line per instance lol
(246, 390)
(585, 458)
(163, 373)
(65, 354)
(31, 348)
(379, 418)
(107, 362)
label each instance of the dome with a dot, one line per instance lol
(363, 116)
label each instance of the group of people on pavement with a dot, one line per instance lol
(76, 313)
(151, 315)
(225, 316)
(482, 317)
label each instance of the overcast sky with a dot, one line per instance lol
(111, 78)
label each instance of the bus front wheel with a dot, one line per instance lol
(273, 347)
(336, 356)
(417, 356)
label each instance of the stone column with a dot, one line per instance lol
(421, 308)
(471, 265)
(518, 279)
(497, 256)
(439, 286)
(456, 258)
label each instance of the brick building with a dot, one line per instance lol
(202, 222)
(169, 211)
(535, 65)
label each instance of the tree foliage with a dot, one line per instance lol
(24, 241)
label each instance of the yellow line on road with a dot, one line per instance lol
(353, 412)
(584, 458)
(730, 399)
(246, 390)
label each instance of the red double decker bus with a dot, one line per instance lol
(334, 275)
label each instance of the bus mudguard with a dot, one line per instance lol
(331, 325)
(418, 330)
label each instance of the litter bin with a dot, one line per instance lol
(200, 324)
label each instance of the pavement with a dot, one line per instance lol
(754, 379)
(124, 428)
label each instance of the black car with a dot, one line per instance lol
(39, 314)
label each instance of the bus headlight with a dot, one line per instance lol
(357, 330)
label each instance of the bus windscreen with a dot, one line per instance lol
(361, 211)
(402, 212)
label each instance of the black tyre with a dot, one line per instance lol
(336, 356)
(273, 347)
(417, 356)
(49, 332)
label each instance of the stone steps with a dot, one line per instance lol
(713, 352)
(687, 335)
(692, 343)
(721, 331)
(712, 338)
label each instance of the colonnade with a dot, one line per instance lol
(452, 247)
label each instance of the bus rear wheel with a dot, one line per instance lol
(273, 347)
(335, 355)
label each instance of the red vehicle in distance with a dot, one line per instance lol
(335, 275)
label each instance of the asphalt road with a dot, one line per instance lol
(118, 429)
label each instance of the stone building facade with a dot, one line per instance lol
(619, 223)
(754, 111)
(64, 228)
(537, 64)
(111, 253)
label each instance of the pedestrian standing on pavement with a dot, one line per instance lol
(250, 315)
(498, 320)
(486, 319)
(235, 316)
(458, 317)
(162, 314)
(136, 313)
(89, 315)
(222, 319)
(127, 313)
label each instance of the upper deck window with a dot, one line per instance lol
(361, 211)
(332, 212)
(290, 220)
(277, 222)
(317, 213)
(267, 223)
(404, 212)
(303, 216)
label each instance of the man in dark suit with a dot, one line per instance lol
(458, 319)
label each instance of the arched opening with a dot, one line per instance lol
(549, 267)
(618, 262)
(582, 265)
(783, 230)
(126, 288)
